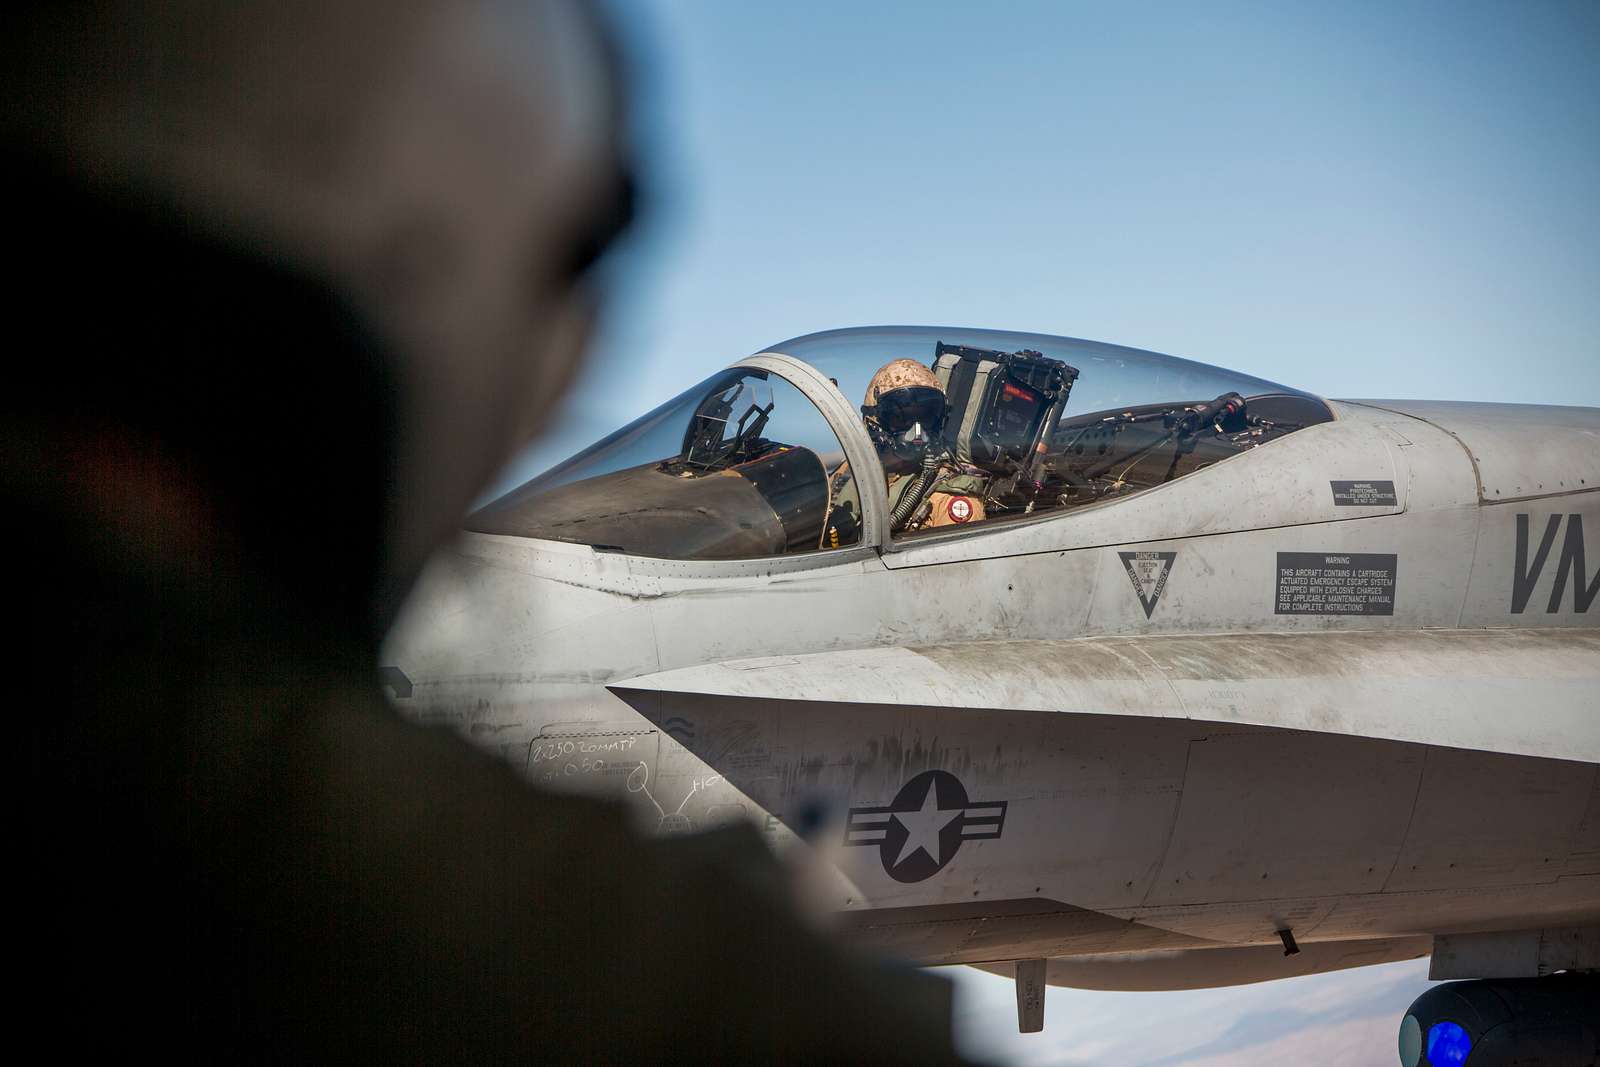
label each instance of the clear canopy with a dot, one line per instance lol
(743, 465)
(740, 466)
(1109, 376)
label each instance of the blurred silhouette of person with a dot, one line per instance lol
(298, 276)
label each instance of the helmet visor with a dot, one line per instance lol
(901, 409)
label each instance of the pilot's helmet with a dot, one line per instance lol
(904, 394)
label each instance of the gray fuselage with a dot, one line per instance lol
(1345, 685)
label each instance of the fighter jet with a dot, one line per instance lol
(1079, 663)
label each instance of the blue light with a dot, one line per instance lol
(1448, 1045)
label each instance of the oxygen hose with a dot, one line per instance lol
(915, 493)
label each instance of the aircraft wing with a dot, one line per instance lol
(1520, 692)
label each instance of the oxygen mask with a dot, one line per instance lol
(904, 424)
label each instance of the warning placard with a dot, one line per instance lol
(1363, 494)
(1344, 583)
(1148, 571)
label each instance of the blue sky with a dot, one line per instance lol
(1343, 1019)
(1359, 199)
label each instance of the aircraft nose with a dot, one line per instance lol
(500, 638)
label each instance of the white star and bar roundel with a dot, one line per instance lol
(921, 830)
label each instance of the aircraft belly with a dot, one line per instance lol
(1214, 831)
(1221, 966)
(1485, 819)
(1031, 928)
(1270, 815)
(1381, 914)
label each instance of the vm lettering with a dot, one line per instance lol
(1570, 565)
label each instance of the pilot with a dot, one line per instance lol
(904, 412)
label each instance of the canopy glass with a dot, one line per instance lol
(744, 465)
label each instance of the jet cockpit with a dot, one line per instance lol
(785, 452)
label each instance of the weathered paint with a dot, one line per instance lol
(1524, 692)
(1184, 767)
